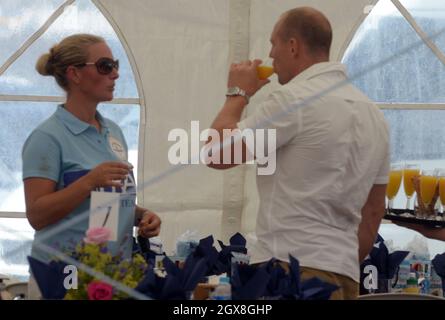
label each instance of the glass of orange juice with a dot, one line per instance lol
(395, 178)
(264, 72)
(409, 172)
(428, 185)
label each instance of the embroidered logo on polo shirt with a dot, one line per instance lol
(117, 148)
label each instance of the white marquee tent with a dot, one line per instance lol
(181, 51)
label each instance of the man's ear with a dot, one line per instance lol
(294, 46)
(73, 75)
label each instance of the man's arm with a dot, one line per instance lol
(244, 76)
(372, 215)
(228, 118)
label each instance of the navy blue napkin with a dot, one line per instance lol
(49, 278)
(279, 281)
(439, 265)
(206, 250)
(386, 264)
(223, 263)
(249, 282)
(272, 282)
(178, 284)
(310, 289)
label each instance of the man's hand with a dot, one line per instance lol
(244, 75)
(432, 233)
(150, 225)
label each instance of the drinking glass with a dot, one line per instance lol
(428, 185)
(409, 172)
(395, 178)
(265, 70)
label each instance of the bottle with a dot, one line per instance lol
(223, 291)
(436, 283)
(411, 284)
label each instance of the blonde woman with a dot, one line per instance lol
(77, 150)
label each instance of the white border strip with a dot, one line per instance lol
(6, 97)
(4, 214)
(412, 106)
(419, 30)
(35, 36)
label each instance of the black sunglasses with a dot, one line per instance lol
(103, 65)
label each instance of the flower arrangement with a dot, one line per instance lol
(93, 252)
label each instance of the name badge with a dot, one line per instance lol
(104, 211)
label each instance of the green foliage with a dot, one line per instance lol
(96, 256)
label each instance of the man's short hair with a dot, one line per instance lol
(311, 26)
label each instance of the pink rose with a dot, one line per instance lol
(97, 235)
(98, 290)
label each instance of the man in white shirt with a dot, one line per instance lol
(325, 201)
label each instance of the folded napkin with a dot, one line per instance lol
(387, 264)
(278, 282)
(178, 284)
(249, 282)
(206, 250)
(272, 282)
(310, 289)
(223, 263)
(439, 265)
(49, 278)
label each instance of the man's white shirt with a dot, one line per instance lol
(332, 147)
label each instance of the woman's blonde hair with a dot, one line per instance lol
(70, 51)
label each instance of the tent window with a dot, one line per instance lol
(417, 76)
(19, 20)
(27, 98)
(408, 88)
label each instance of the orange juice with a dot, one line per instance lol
(408, 175)
(264, 72)
(395, 178)
(442, 190)
(428, 186)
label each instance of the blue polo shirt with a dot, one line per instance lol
(63, 149)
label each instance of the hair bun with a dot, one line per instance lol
(45, 65)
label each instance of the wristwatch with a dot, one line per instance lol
(236, 91)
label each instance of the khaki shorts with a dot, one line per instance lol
(349, 289)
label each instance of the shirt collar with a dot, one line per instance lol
(75, 125)
(320, 68)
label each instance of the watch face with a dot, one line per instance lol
(233, 91)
